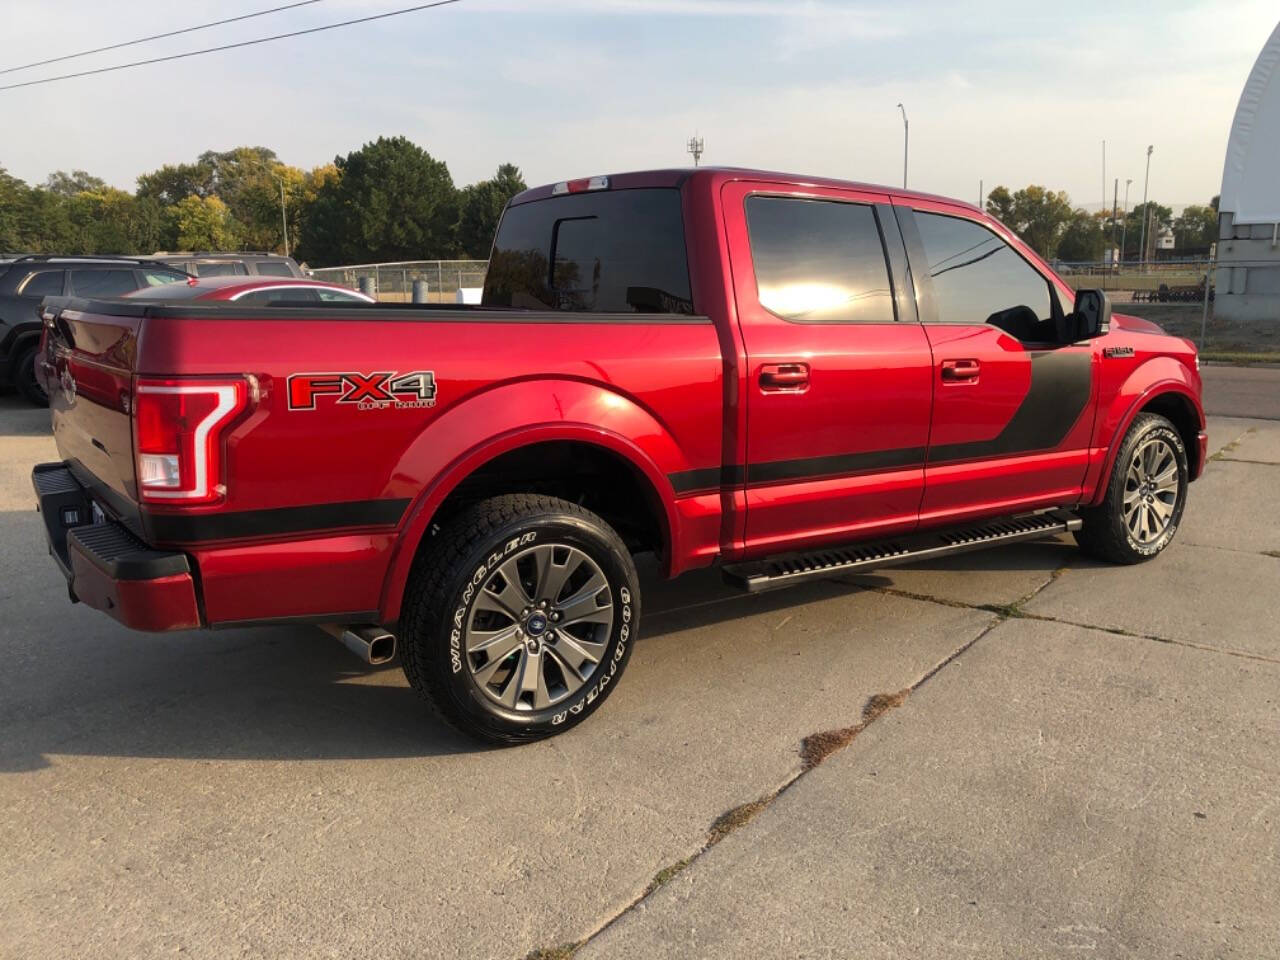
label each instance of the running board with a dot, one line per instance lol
(760, 575)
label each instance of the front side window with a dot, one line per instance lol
(46, 283)
(979, 279)
(608, 252)
(103, 283)
(339, 296)
(819, 261)
(158, 278)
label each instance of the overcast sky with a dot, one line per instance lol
(566, 88)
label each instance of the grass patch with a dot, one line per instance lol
(731, 820)
(666, 875)
(1271, 553)
(563, 952)
(1004, 609)
(1239, 357)
(1230, 447)
(818, 746)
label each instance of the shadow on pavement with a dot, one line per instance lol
(18, 418)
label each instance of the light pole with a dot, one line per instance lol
(906, 130)
(1142, 255)
(284, 220)
(1124, 219)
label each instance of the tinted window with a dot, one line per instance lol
(282, 295)
(978, 278)
(46, 283)
(609, 251)
(222, 268)
(273, 268)
(339, 296)
(103, 283)
(819, 261)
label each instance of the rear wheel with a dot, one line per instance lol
(1145, 496)
(519, 617)
(24, 377)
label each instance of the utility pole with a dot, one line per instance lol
(1142, 256)
(695, 148)
(284, 220)
(1124, 226)
(981, 195)
(1115, 196)
(1103, 208)
(906, 130)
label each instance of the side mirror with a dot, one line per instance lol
(1091, 313)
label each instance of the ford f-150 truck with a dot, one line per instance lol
(787, 376)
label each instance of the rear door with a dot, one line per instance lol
(1013, 397)
(839, 370)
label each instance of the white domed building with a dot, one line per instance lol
(1248, 279)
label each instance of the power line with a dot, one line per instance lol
(230, 46)
(158, 36)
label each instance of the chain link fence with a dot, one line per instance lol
(393, 282)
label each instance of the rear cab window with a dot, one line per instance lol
(620, 251)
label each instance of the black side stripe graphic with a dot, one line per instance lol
(176, 528)
(1061, 384)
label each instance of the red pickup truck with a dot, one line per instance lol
(786, 376)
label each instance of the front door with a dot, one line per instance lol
(838, 368)
(1013, 398)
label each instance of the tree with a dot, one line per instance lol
(1160, 217)
(204, 223)
(1196, 227)
(13, 199)
(480, 208)
(1000, 205)
(69, 184)
(1083, 238)
(172, 183)
(391, 201)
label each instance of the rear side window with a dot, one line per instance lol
(978, 278)
(103, 283)
(616, 251)
(271, 268)
(46, 283)
(157, 278)
(819, 261)
(220, 268)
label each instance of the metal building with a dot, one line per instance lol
(1248, 280)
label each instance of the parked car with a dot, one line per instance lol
(28, 279)
(255, 290)
(203, 263)
(792, 378)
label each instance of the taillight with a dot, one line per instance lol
(177, 433)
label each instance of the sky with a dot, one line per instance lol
(995, 92)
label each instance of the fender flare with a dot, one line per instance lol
(1128, 403)
(527, 412)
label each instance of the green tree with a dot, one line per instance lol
(480, 208)
(173, 183)
(1196, 227)
(204, 223)
(1000, 205)
(14, 197)
(1161, 216)
(1083, 238)
(69, 184)
(391, 201)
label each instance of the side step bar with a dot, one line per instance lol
(783, 571)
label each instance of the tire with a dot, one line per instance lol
(1145, 496)
(24, 377)
(501, 631)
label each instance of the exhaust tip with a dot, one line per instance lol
(382, 648)
(371, 644)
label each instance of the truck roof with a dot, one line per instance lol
(677, 176)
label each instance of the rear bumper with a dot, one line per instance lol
(106, 566)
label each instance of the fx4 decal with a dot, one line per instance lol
(366, 391)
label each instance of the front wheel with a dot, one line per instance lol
(519, 617)
(1145, 496)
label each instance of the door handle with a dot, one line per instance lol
(960, 371)
(776, 377)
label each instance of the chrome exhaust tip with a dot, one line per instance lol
(371, 644)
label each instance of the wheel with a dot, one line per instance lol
(24, 377)
(1145, 495)
(519, 617)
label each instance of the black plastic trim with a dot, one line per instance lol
(122, 556)
(811, 468)
(200, 528)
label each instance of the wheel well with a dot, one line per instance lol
(581, 473)
(1178, 410)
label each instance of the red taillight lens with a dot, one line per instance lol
(177, 431)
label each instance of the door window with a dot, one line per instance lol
(979, 279)
(219, 268)
(819, 261)
(272, 268)
(46, 283)
(103, 283)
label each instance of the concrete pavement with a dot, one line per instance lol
(262, 793)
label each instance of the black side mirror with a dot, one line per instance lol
(1091, 313)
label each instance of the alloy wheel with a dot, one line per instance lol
(1151, 487)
